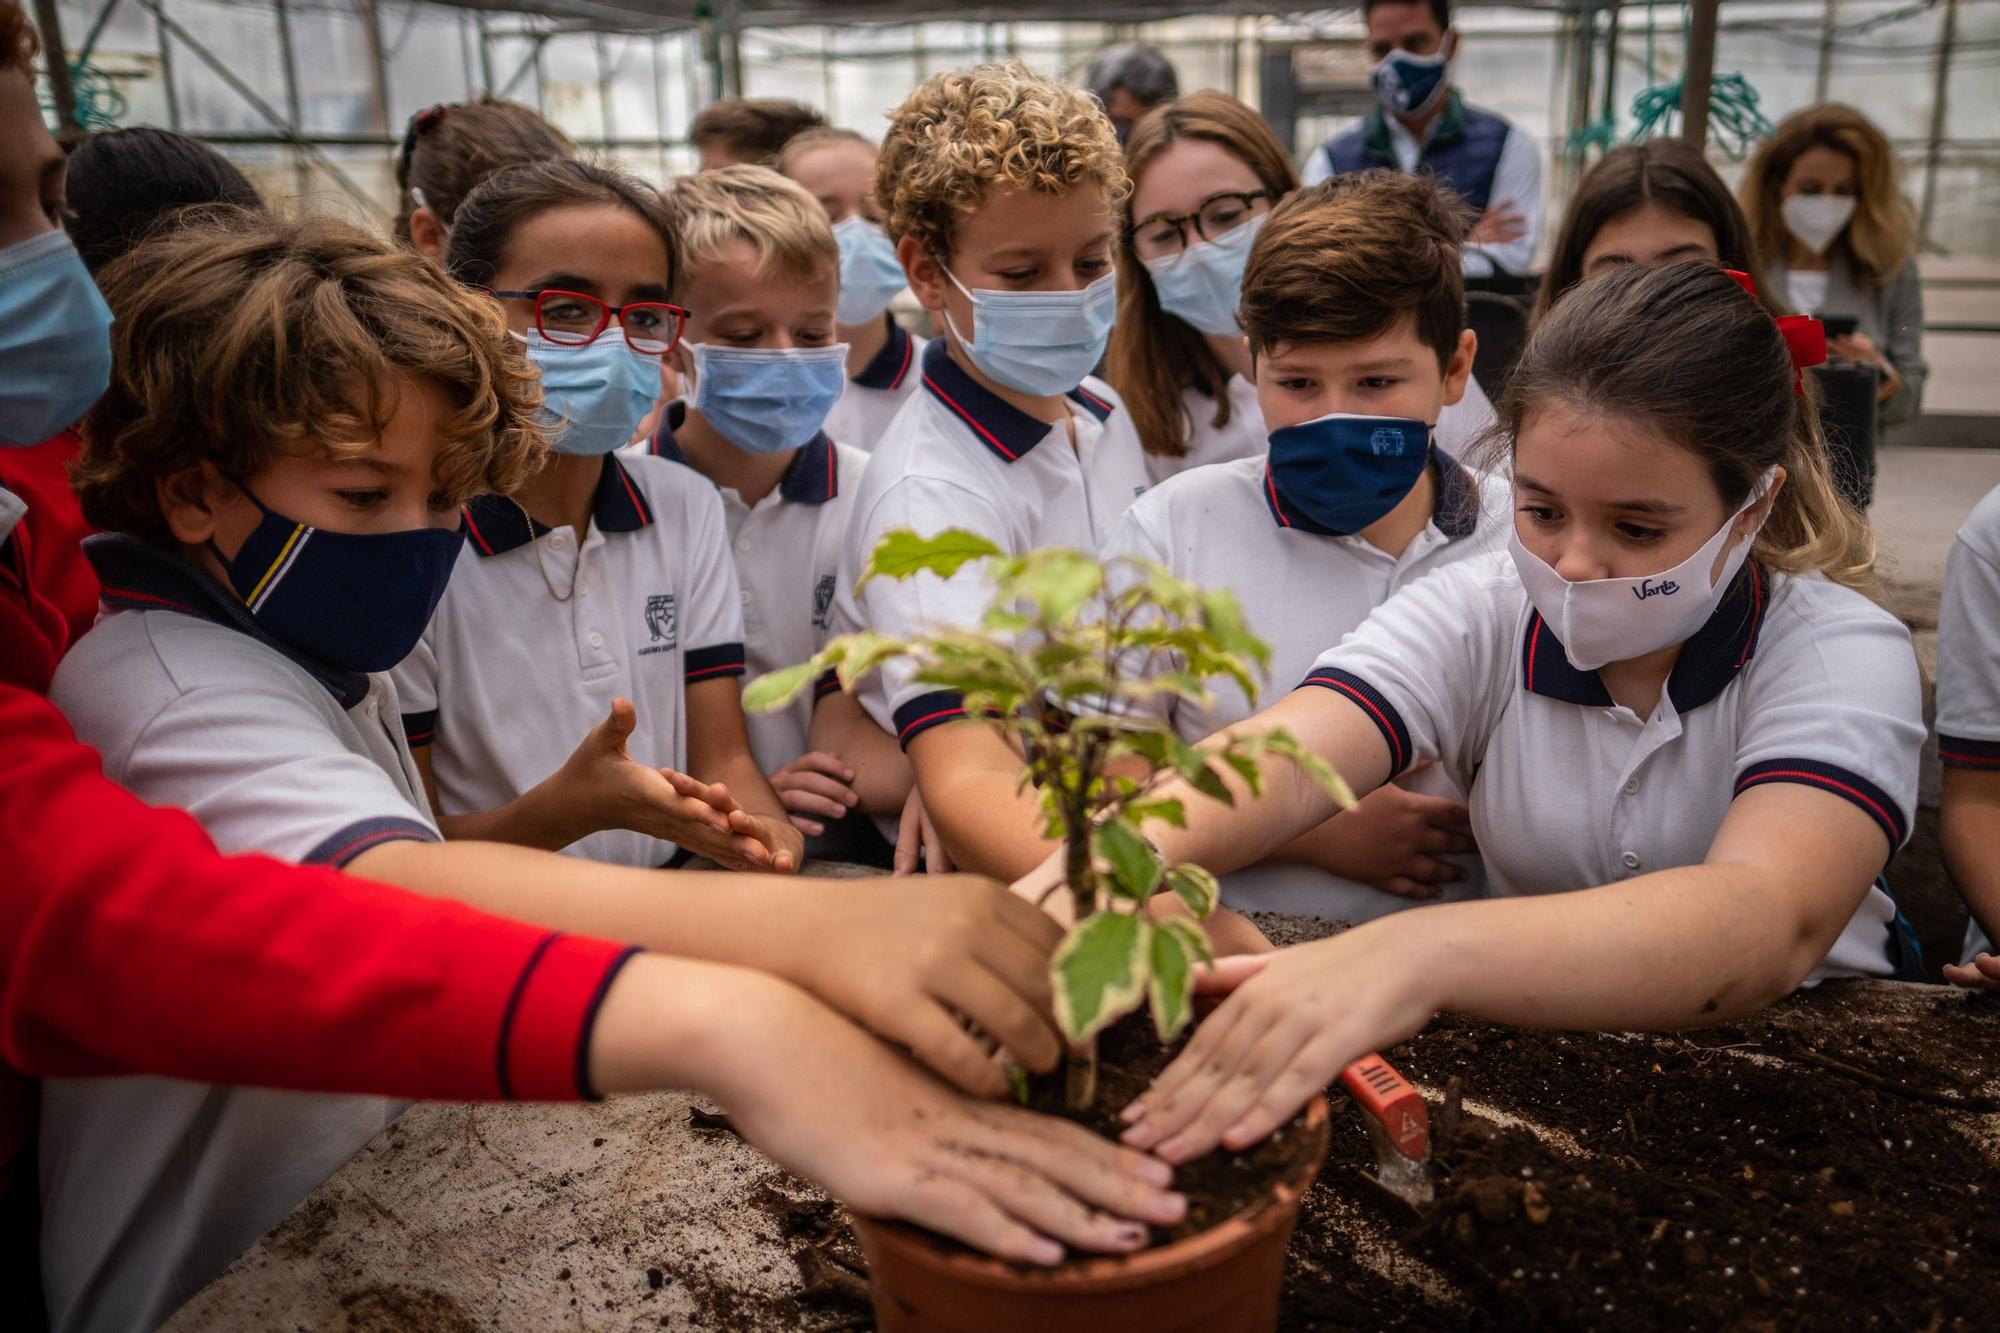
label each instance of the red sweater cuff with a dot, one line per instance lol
(543, 1052)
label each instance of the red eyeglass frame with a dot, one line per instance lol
(610, 313)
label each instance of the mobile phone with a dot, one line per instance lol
(1839, 326)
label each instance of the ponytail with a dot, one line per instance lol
(1812, 528)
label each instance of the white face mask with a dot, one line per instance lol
(1817, 219)
(1615, 620)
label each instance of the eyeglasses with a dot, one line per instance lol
(1166, 234)
(574, 319)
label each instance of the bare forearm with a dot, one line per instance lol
(990, 824)
(674, 1023)
(1970, 831)
(882, 778)
(536, 818)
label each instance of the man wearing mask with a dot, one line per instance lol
(1421, 122)
(1129, 79)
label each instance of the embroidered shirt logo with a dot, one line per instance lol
(662, 623)
(823, 603)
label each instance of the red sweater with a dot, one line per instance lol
(129, 945)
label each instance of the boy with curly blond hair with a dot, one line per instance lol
(1000, 189)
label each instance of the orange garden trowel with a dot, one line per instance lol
(1399, 1125)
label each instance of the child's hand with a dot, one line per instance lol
(1392, 840)
(756, 842)
(1294, 1019)
(1982, 973)
(918, 846)
(815, 787)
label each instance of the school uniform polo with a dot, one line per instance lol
(960, 456)
(1968, 671)
(876, 392)
(1302, 589)
(1790, 680)
(150, 1187)
(787, 555)
(510, 676)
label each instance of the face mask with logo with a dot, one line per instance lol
(1040, 343)
(55, 339)
(595, 392)
(1203, 284)
(870, 273)
(356, 601)
(765, 400)
(1409, 85)
(1817, 219)
(1345, 472)
(1615, 620)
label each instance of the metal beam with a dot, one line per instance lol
(295, 120)
(1934, 148)
(56, 60)
(1698, 71)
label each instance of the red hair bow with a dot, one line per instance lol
(1805, 337)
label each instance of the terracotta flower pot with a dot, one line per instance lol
(1224, 1280)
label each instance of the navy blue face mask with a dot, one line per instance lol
(355, 601)
(1340, 473)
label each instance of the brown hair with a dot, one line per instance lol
(489, 216)
(1666, 172)
(1882, 236)
(240, 337)
(962, 134)
(1350, 258)
(450, 148)
(818, 137)
(1153, 356)
(753, 128)
(18, 46)
(1684, 350)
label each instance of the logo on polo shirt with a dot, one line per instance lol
(662, 623)
(823, 602)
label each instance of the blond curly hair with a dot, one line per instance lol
(966, 132)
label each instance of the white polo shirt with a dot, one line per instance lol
(1244, 435)
(877, 391)
(1791, 680)
(152, 1186)
(1968, 671)
(508, 679)
(787, 554)
(960, 456)
(1302, 590)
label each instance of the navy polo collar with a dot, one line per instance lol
(1000, 426)
(136, 576)
(1454, 511)
(495, 524)
(1720, 649)
(812, 479)
(890, 366)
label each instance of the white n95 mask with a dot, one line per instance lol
(1615, 620)
(1817, 219)
(1041, 343)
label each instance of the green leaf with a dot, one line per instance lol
(1099, 972)
(902, 553)
(1246, 768)
(1176, 946)
(1222, 617)
(1059, 582)
(1166, 809)
(1135, 866)
(1284, 743)
(1194, 886)
(1017, 1083)
(862, 652)
(775, 689)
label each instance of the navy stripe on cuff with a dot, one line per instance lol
(926, 711)
(1865, 795)
(583, 1088)
(501, 1075)
(1372, 702)
(358, 837)
(724, 659)
(420, 728)
(1964, 752)
(828, 683)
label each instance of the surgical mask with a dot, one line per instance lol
(596, 392)
(1203, 284)
(870, 273)
(1345, 472)
(1040, 343)
(354, 601)
(1817, 219)
(1615, 620)
(55, 339)
(765, 400)
(1410, 85)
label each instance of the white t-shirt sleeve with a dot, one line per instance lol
(1431, 666)
(1835, 704)
(712, 621)
(1968, 674)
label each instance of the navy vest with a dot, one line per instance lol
(1463, 152)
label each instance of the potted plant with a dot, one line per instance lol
(1066, 645)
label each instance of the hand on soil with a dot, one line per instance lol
(815, 787)
(1982, 973)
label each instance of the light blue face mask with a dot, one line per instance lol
(1040, 343)
(765, 400)
(596, 392)
(55, 339)
(1203, 284)
(1410, 85)
(870, 273)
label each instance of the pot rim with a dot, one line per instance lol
(1117, 1272)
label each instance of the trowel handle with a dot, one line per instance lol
(1388, 1097)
